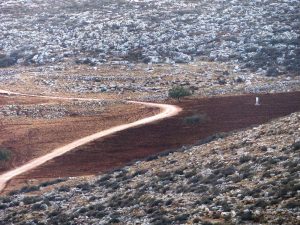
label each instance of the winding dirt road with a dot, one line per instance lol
(166, 111)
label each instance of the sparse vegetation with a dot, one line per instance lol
(6, 61)
(64, 188)
(27, 189)
(225, 179)
(38, 207)
(245, 158)
(84, 186)
(195, 119)
(182, 218)
(296, 146)
(31, 199)
(179, 92)
(52, 182)
(5, 154)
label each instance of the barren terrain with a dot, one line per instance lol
(76, 150)
(28, 138)
(222, 114)
(246, 177)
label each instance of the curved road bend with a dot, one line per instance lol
(166, 111)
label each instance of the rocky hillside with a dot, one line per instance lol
(248, 177)
(51, 111)
(262, 35)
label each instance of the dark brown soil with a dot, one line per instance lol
(223, 114)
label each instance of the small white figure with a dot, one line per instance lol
(150, 66)
(257, 101)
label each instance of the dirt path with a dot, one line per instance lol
(166, 111)
(223, 114)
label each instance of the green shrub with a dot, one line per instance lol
(247, 215)
(182, 218)
(114, 220)
(190, 173)
(139, 172)
(64, 189)
(98, 207)
(196, 220)
(3, 206)
(179, 92)
(6, 61)
(84, 186)
(179, 171)
(31, 199)
(27, 189)
(96, 214)
(195, 119)
(104, 178)
(261, 203)
(56, 181)
(38, 207)
(5, 154)
(195, 179)
(83, 210)
(164, 175)
(229, 170)
(245, 158)
(59, 218)
(53, 213)
(14, 192)
(291, 204)
(169, 202)
(162, 221)
(296, 146)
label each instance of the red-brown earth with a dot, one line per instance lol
(223, 114)
(28, 138)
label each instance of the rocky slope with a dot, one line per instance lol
(248, 177)
(122, 82)
(51, 111)
(262, 35)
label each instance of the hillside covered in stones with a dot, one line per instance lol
(260, 35)
(248, 177)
